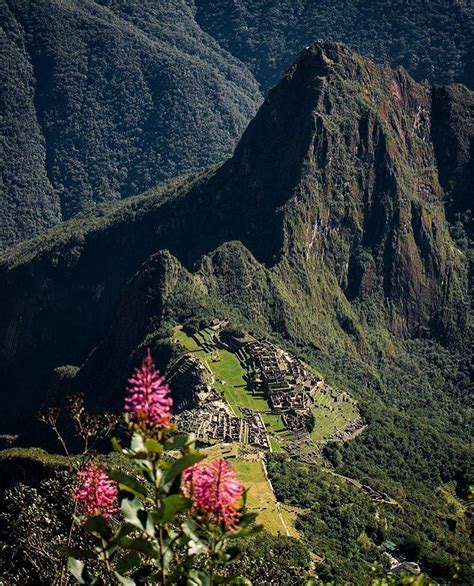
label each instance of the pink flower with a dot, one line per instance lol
(149, 400)
(96, 494)
(214, 490)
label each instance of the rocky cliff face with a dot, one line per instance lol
(329, 220)
(339, 173)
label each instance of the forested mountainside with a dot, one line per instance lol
(432, 39)
(103, 99)
(340, 228)
(334, 203)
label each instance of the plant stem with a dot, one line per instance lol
(213, 554)
(60, 438)
(106, 558)
(162, 557)
(161, 527)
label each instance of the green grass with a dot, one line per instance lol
(276, 447)
(186, 341)
(35, 454)
(261, 499)
(326, 423)
(273, 423)
(228, 372)
(229, 380)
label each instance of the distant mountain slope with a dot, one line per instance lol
(432, 39)
(103, 99)
(329, 217)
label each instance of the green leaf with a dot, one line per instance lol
(247, 519)
(140, 545)
(232, 553)
(134, 513)
(116, 445)
(127, 562)
(244, 532)
(240, 581)
(147, 468)
(124, 529)
(78, 570)
(151, 445)
(75, 552)
(137, 446)
(192, 530)
(177, 468)
(198, 578)
(181, 441)
(170, 507)
(127, 482)
(124, 580)
(98, 526)
(167, 558)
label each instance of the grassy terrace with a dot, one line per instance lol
(327, 421)
(229, 380)
(260, 497)
(229, 375)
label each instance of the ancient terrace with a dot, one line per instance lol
(239, 389)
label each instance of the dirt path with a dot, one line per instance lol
(278, 508)
(357, 484)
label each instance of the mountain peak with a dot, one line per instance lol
(328, 51)
(335, 174)
(335, 194)
(323, 57)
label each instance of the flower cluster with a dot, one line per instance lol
(96, 494)
(215, 491)
(194, 504)
(149, 402)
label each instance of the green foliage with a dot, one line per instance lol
(387, 457)
(432, 39)
(278, 559)
(33, 520)
(339, 524)
(161, 537)
(105, 216)
(106, 99)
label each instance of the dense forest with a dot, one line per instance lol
(432, 39)
(107, 98)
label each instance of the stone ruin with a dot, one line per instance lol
(283, 380)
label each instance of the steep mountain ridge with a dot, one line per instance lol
(334, 203)
(339, 166)
(105, 98)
